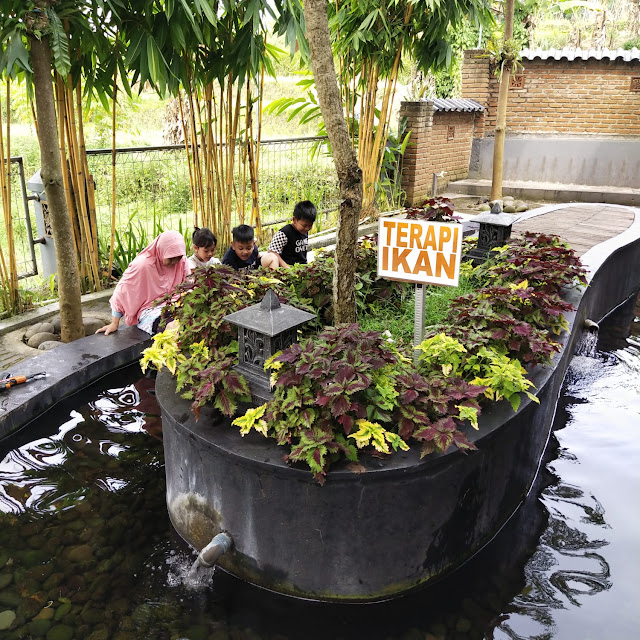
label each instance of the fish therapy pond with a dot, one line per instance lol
(87, 550)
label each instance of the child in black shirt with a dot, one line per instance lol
(243, 252)
(291, 243)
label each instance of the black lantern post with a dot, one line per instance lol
(495, 230)
(264, 329)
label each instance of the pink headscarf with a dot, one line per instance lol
(147, 279)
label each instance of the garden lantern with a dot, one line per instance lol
(264, 329)
(495, 230)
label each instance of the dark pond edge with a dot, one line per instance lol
(69, 368)
(452, 504)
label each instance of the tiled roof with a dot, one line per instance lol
(581, 54)
(456, 104)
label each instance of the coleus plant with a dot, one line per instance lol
(347, 390)
(437, 209)
(544, 261)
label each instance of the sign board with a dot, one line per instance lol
(419, 251)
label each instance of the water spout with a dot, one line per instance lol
(219, 544)
(590, 325)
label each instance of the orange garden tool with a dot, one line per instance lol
(11, 381)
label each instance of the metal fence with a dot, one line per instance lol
(23, 220)
(152, 190)
(152, 184)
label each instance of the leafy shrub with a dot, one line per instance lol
(201, 375)
(438, 209)
(542, 260)
(502, 377)
(347, 389)
(202, 352)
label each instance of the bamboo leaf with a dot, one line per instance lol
(59, 44)
(207, 9)
(197, 32)
(135, 49)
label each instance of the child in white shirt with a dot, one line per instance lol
(204, 246)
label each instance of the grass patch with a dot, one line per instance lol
(397, 315)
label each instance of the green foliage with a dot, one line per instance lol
(502, 377)
(347, 390)
(201, 375)
(438, 209)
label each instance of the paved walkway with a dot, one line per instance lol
(581, 225)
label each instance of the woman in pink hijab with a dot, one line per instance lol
(156, 270)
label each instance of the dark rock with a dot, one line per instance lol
(46, 614)
(90, 615)
(81, 554)
(60, 632)
(39, 628)
(53, 580)
(102, 633)
(9, 598)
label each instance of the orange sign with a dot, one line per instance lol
(419, 251)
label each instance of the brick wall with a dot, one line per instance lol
(440, 141)
(560, 97)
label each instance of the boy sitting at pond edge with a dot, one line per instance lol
(243, 252)
(291, 243)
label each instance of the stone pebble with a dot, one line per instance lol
(48, 345)
(38, 338)
(91, 325)
(39, 328)
(6, 619)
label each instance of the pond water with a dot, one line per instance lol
(87, 550)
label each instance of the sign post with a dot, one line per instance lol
(422, 252)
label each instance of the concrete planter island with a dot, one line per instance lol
(405, 521)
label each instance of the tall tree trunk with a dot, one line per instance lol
(503, 95)
(71, 327)
(344, 158)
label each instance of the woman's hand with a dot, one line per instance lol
(110, 328)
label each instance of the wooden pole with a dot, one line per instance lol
(501, 114)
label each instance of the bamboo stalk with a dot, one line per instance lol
(112, 237)
(197, 152)
(216, 183)
(242, 168)
(196, 158)
(13, 266)
(88, 204)
(35, 117)
(61, 109)
(231, 153)
(209, 145)
(255, 151)
(206, 207)
(7, 297)
(77, 179)
(192, 185)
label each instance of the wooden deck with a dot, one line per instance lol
(581, 226)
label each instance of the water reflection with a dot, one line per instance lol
(85, 542)
(585, 568)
